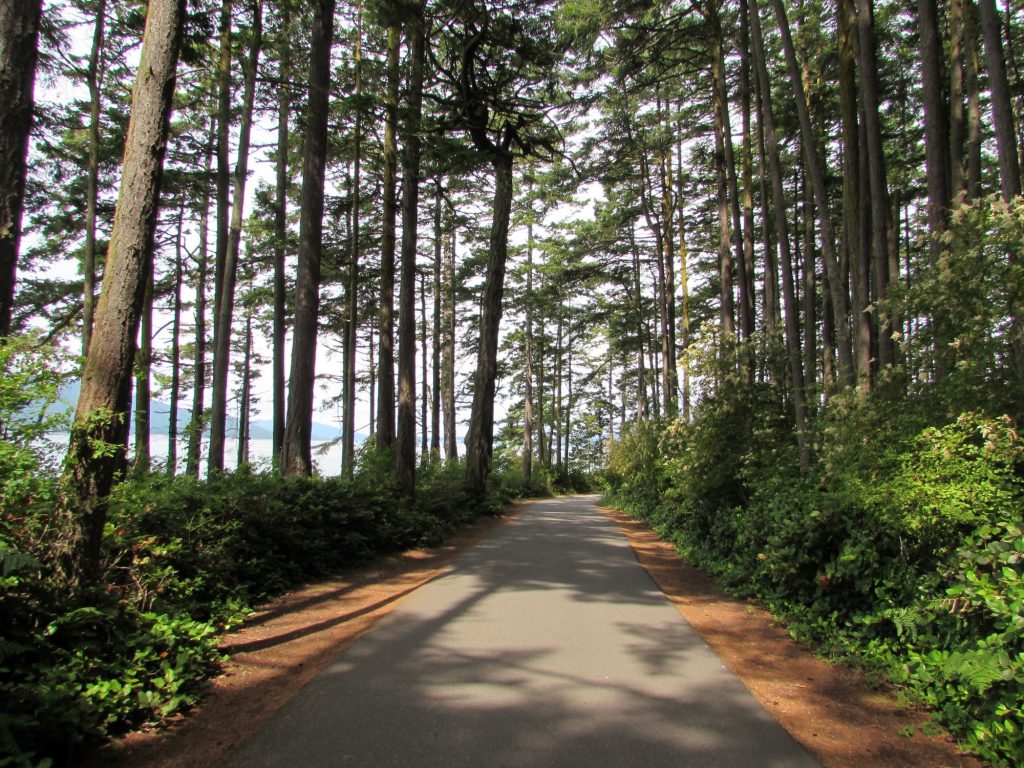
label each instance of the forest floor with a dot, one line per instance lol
(834, 711)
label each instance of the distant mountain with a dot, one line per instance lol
(160, 419)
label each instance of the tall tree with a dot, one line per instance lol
(495, 101)
(386, 344)
(225, 303)
(97, 448)
(792, 330)
(94, 75)
(19, 45)
(816, 171)
(405, 454)
(195, 427)
(284, 107)
(1002, 108)
(297, 458)
(348, 446)
(883, 244)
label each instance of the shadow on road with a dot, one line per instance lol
(546, 645)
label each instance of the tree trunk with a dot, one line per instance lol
(956, 25)
(480, 441)
(853, 243)
(172, 417)
(528, 374)
(816, 171)
(973, 149)
(435, 340)
(143, 372)
(747, 163)
(559, 378)
(284, 105)
(195, 427)
(94, 76)
(936, 148)
(744, 281)
(726, 306)
(297, 455)
(451, 448)
(223, 185)
(19, 43)
(229, 273)
(405, 455)
(424, 354)
(386, 346)
(1002, 108)
(245, 400)
(810, 292)
(883, 244)
(103, 403)
(782, 236)
(669, 296)
(568, 404)
(348, 446)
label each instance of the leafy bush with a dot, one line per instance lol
(182, 560)
(901, 546)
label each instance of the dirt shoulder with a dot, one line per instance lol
(831, 710)
(282, 647)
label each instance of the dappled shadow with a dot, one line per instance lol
(546, 645)
(310, 629)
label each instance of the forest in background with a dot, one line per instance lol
(753, 266)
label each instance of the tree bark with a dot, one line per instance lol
(816, 171)
(229, 271)
(744, 280)
(245, 400)
(386, 345)
(726, 305)
(405, 455)
(435, 340)
(297, 453)
(973, 149)
(451, 448)
(480, 441)
(101, 415)
(93, 77)
(175, 395)
(791, 312)
(143, 373)
(284, 96)
(854, 246)
(223, 161)
(1002, 107)
(195, 427)
(528, 374)
(424, 354)
(348, 446)
(883, 244)
(936, 144)
(19, 44)
(957, 27)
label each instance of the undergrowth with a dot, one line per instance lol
(901, 547)
(183, 560)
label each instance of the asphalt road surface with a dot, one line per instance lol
(546, 645)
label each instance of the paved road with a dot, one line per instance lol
(547, 645)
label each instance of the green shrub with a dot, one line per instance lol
(182, 560)
(902, 545)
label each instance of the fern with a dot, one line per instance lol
(907, 621)
(979, 670)
(9, 649)
(13, 562)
